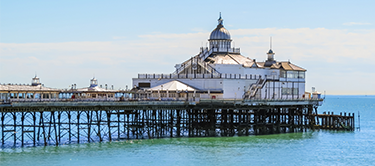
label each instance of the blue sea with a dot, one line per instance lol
(308, 148)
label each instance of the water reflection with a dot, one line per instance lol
(309, 148)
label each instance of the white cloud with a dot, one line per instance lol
(198, 30)
(356, 23)
(119, 37)
(336, 60)
(173, 36)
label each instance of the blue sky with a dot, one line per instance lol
(67, 42)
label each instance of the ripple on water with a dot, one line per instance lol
(310, 148)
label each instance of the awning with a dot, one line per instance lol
(173, 86)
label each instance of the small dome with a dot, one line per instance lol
(35, 81)
(93, 82)
(220, 33)
(270, 52)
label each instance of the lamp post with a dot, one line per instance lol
(161, 91)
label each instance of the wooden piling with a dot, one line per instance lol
(66, 124)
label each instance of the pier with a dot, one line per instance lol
(70, 121)
(217, 92)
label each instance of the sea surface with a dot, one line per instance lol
(308, 148)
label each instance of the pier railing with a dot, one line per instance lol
(179, 103)
(57, 123)
(205, 76)
(205, 52)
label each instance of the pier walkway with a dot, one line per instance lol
(64, 121)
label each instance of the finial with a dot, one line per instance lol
(220, 20)
(271, 42)
(270, 52)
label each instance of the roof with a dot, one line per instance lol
(225, 58)
(230, 59)
(23, 87)
(220, 33)
(93, 89)
(282, 65)
(290, 66)
(173, 86)
(270, 52)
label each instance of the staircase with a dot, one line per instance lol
(195, 61)
(205, 53)
(253, 88)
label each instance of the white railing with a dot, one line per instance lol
(195, 99)
(64, 100)
(205, 52)
(199, 59)
(253, 88)
(196, 61)
(206, 76)
(272, 77)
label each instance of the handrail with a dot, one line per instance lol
(253, 88)
(206, 76)
(197, 59)
(157, 99)
(204, 55)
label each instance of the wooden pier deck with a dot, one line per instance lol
(69, 121)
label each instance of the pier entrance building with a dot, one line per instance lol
(221, 68)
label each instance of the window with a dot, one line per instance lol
(283, 74)
(289, 91)
(292, 74)
(301, 74)
(144, 85)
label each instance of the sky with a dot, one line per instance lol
(69, 42)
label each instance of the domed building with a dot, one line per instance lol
(220, 37)
(93, 92)
(219, 71)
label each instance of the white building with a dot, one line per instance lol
(220, 71)
(26, 92)
(91, 92)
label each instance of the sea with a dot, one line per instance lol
(308, 148)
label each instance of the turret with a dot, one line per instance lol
(35, 81)
(93, 82)
(270, 56)
(220, 38)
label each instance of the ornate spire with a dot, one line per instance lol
(271, 43)
(93, 82)
(220, 20)
(270, 53)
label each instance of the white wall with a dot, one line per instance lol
(235, 88)
(229, 69)
(203, 84)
